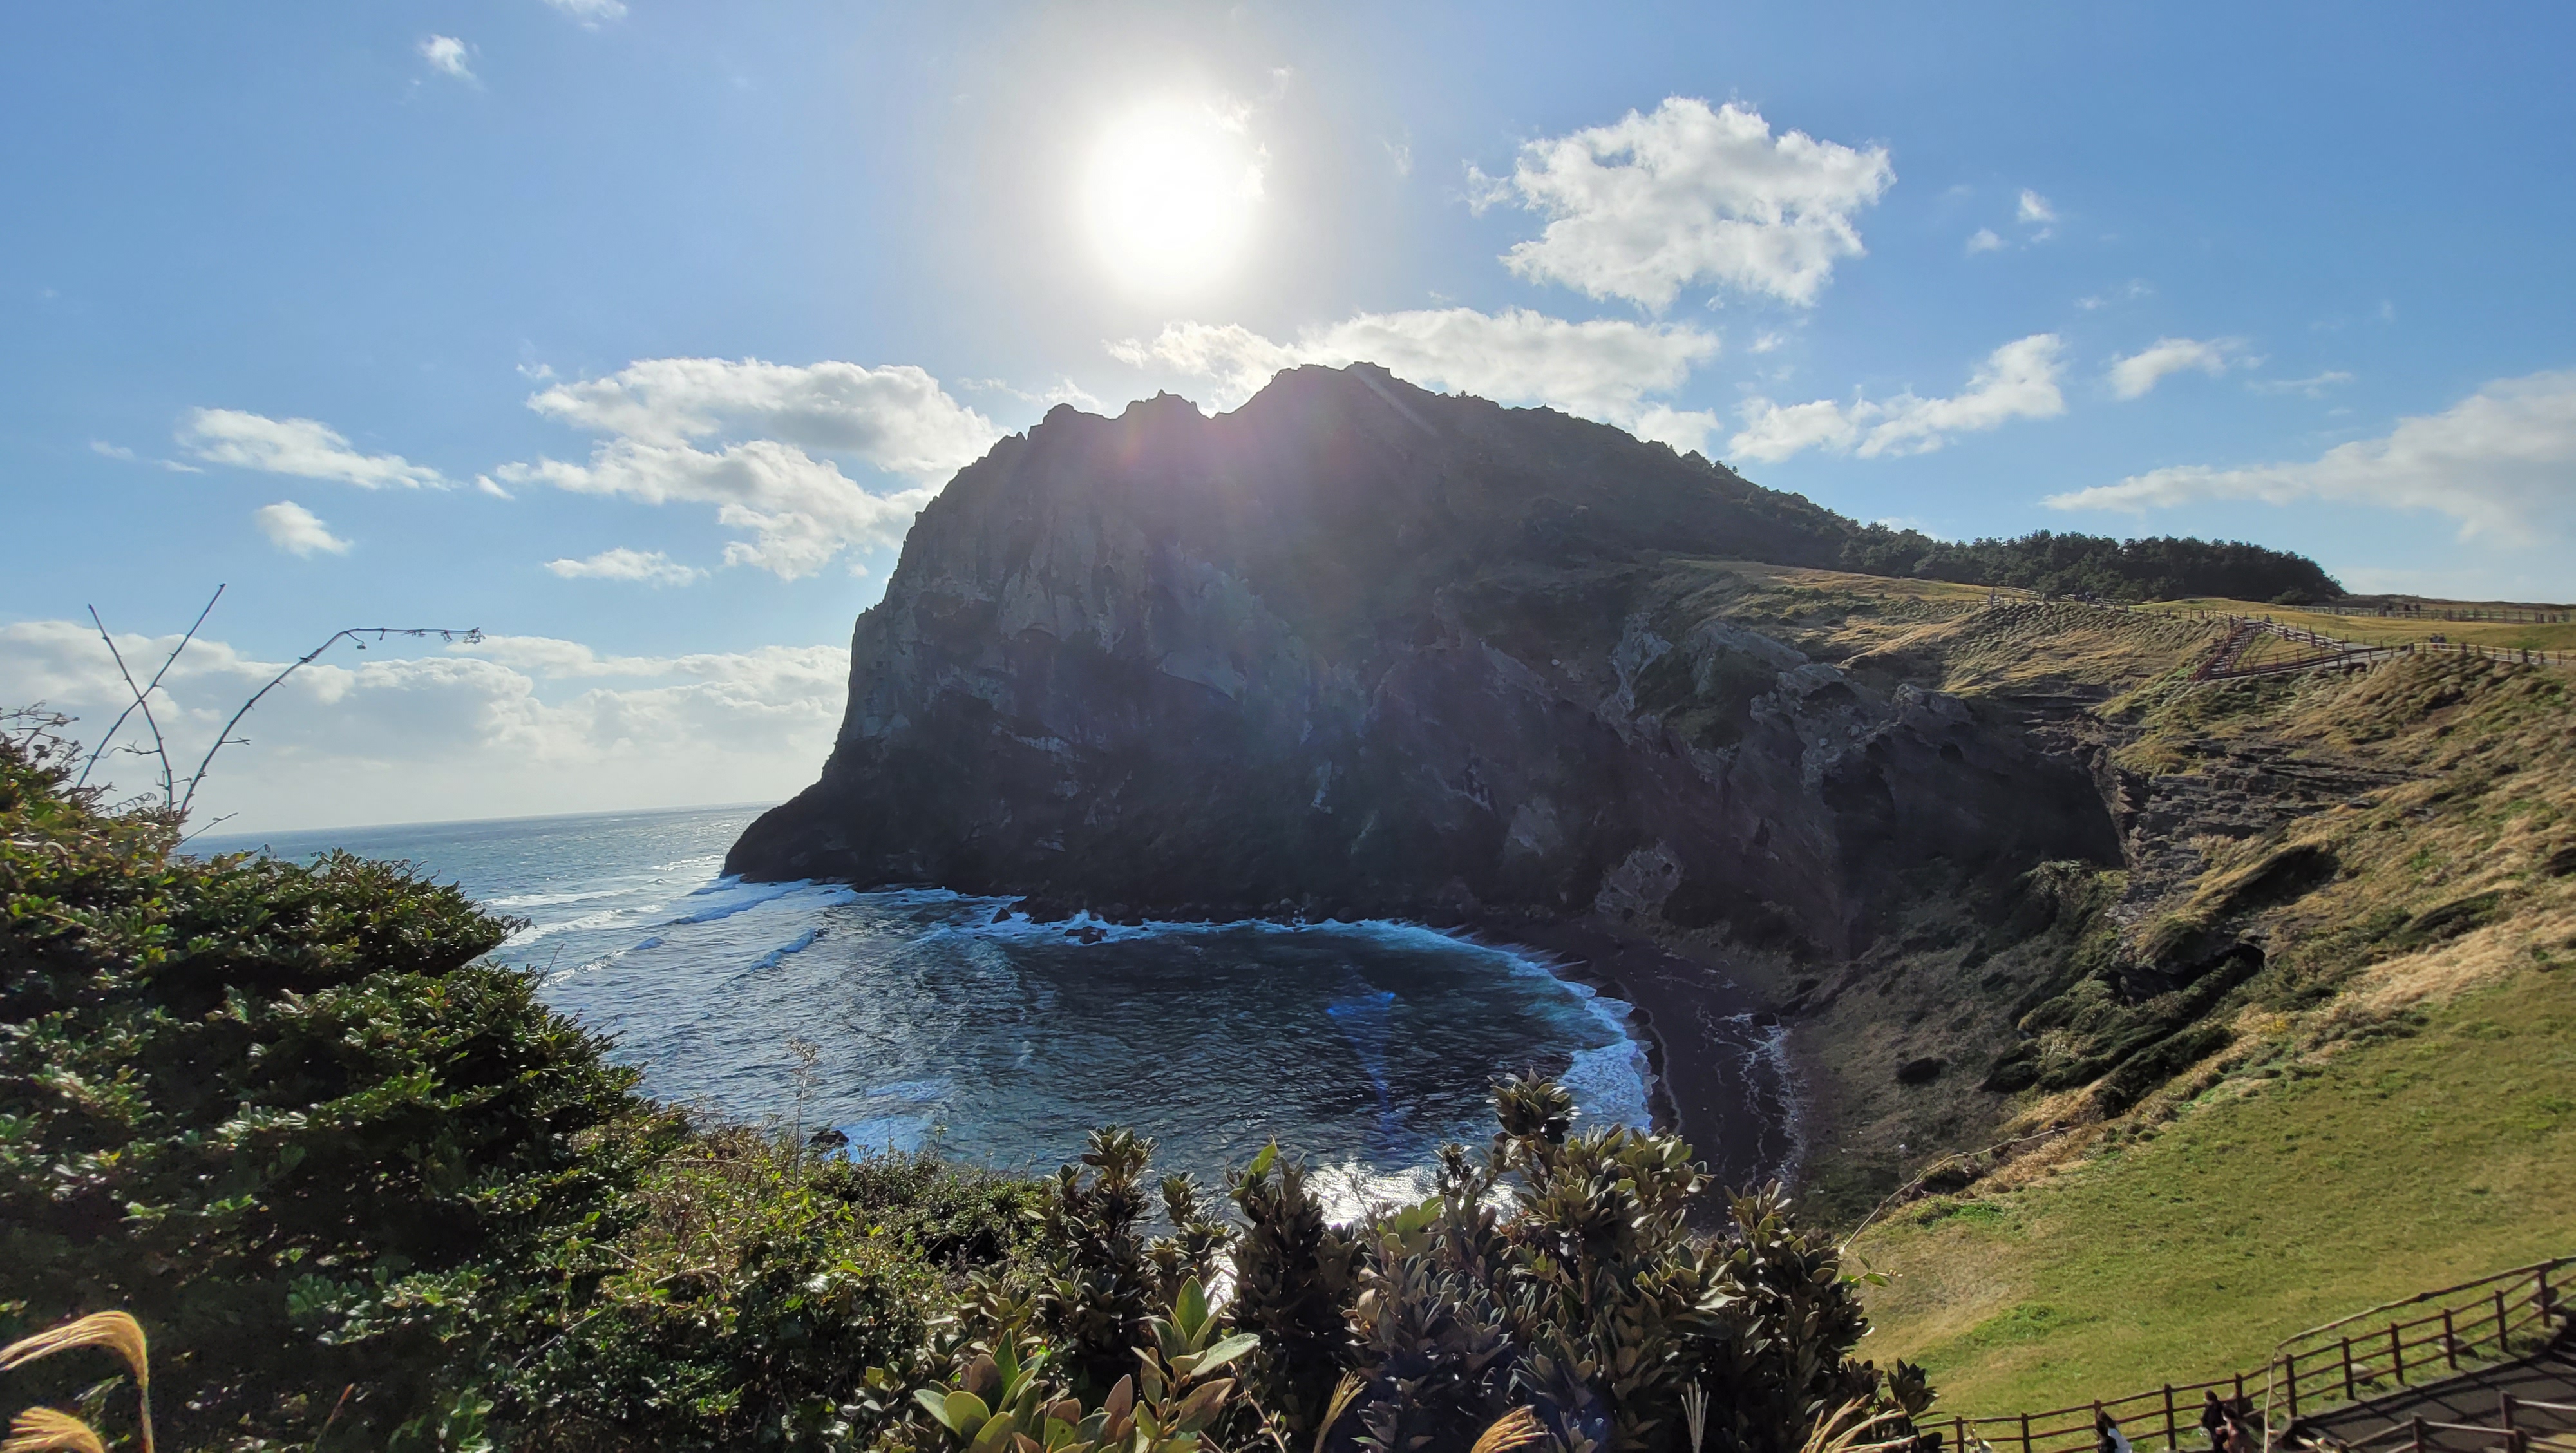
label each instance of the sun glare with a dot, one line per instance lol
(1170, 196)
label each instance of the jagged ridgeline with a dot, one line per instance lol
(1362, 649)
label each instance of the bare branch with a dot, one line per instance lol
(119, 723)
(160, 747)
(209, 827)
(225, 737)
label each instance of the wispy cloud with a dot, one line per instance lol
(2498, 462)
(647, 568)
(446, 55)
(304, 448)
(294, 529)
(2017, 381)
(2314, 387)
(766, 422)
(2136, 375)
(511, 725)
(591, 13)
(2130, 292)
(1984, 240)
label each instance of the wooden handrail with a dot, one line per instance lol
(2364, 1360)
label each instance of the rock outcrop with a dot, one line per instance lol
(1361, 649)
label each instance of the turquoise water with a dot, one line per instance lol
(952, 1022)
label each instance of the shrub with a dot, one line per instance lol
(284, 1115)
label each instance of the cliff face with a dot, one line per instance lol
(1359, 648)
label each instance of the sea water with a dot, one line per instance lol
(940, 1021)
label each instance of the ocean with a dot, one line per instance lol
(941, 1021)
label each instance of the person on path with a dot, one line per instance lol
(2213, 1421)
(2107, 1436)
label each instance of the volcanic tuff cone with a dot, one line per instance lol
(1362, 649)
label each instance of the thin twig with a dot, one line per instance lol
(160, 747)
(171, 660)
(224, 737)
(209, 827)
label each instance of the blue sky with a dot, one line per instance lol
(632, 333)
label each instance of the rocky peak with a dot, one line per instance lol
(1361, 648)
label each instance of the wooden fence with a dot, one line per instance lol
(2319, 650)
(2493, 1319)
(2473, 1324)
(2511, 1432)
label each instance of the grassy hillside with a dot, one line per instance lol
(2394, 629)
(2312, 1048)
(2438, 1148)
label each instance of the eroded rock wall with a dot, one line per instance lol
(1359, 649)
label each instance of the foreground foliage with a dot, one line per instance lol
(364, 1190)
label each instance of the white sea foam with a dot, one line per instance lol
(1611, 1083)
(726, 897)
(1351, 1189)
(550, 900)
(798, 944)
(604, 919)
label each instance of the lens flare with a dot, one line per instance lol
(1170, 196)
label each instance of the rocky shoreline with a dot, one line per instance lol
(1721, 1079)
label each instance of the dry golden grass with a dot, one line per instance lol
(37, 1430)
(2389, 630)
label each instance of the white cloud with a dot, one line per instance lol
(1649, 204)
(1604, 369)
(800, 510)
(2017, 381)
(112, 451)
(649, 568)
(304, 448)
(446, 55)
(515, 725)
(2500, 462)
(2314, 387)
(896, 418)
(2134, 376)
(2137, 288)
(2033, 210)
(591, 13)
(294, 529)
(1983, 240)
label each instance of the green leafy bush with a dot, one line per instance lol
(284, 1115)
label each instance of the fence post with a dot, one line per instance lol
(2500, 1323)
(2348, 1393)
(2396, 1356)
(2417, 1424)
(2173, 1444)
(1958, 1435)
(2450, 1344)
(2025, 1433)
(2290, 1374)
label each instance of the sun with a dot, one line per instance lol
(1170, 196)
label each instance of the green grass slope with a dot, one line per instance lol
(2437, 1149)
